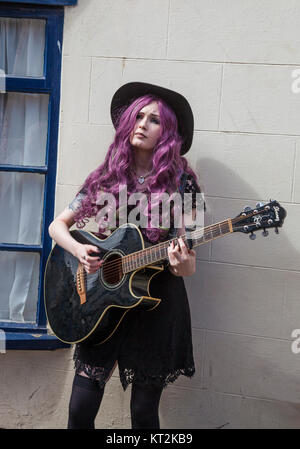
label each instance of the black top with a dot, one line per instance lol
(150, 347)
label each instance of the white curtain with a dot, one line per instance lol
(22, 43)
(23, 136)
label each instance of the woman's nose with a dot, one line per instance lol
(143, 122)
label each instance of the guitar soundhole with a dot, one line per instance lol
(112, 269)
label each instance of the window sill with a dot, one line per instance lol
(28, 340)
(46, 2)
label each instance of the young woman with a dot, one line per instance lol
(154, 128)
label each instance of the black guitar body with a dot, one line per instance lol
(110, 293)
(81, 306)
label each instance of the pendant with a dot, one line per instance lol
(141, 179)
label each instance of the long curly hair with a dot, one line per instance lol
(167, 165)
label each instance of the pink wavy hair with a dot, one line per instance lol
(168, 164)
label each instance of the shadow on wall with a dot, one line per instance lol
(244, 306)
(276, 251)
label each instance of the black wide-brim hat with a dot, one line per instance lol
(129, 92)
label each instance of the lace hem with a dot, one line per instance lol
(128, 375)
(96, 373)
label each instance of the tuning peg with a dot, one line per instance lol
(276, 230)
(247, 208)
(265, 233)
(252, 236)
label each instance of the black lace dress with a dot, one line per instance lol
(150, 347)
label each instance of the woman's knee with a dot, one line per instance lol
(144, 406)
(84, 403)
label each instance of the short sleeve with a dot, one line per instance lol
(192, 187)
(195, 197)
(76, 202)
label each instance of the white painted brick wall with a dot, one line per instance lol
(233, 60)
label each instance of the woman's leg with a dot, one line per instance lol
(144, 406)
(85, 402)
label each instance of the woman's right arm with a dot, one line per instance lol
(59, 232)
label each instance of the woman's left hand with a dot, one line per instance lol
(182, 260)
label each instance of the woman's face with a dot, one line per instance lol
(147, 128)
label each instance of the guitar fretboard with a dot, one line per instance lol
(159, 252)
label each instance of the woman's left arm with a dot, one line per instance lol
(182, 259)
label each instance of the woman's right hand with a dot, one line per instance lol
(59, 231)
(91, 263)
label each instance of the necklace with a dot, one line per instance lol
(141, 179)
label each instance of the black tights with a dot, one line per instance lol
(86, 398)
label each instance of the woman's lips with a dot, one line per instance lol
(140, 135)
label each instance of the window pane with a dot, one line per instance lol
(23, 128)
(19, 278)
(21, 206)
(22, 44)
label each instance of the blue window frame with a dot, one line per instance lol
(43, 2)
(34, 335)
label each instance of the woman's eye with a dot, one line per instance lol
(155, 120)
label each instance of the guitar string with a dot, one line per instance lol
(116, 267)
(203, 232)
(110, 266)
(131, 258)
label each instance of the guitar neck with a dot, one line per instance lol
(159, 252)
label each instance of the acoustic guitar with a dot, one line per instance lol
(89, 307)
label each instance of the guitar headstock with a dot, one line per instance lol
(264, 216)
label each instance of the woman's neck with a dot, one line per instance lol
(142, 162)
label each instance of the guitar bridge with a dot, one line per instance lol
(80, 283)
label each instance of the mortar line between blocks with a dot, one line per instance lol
(294, 173)
(221, 95)
(168, 30)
